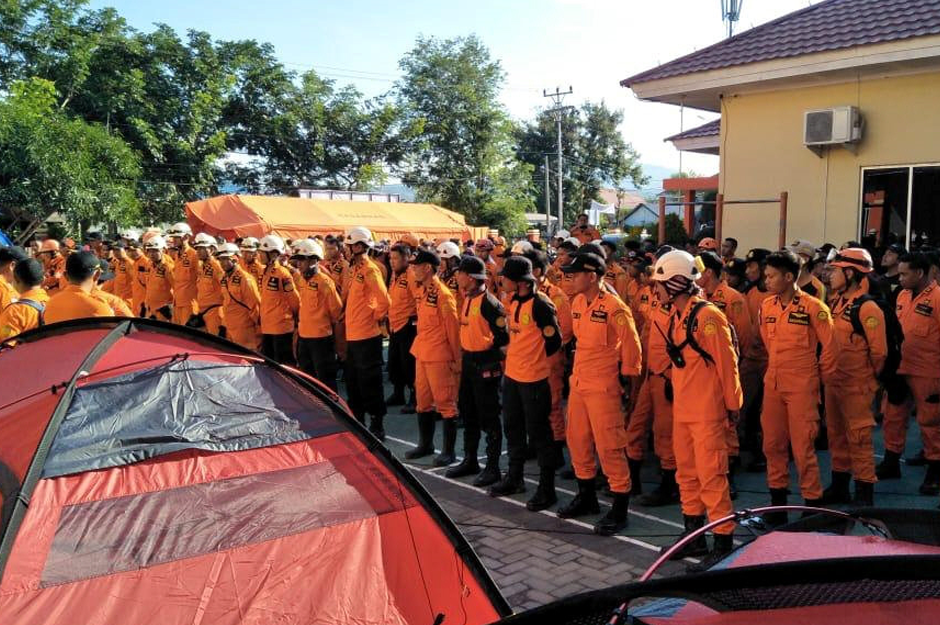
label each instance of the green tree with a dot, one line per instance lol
(50, 162)
(465, 161)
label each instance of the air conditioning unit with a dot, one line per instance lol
(833, 126)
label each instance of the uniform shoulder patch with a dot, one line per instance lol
(710, 327)
(500, 322)
(872, 322)
(822, 315)
(548, 331)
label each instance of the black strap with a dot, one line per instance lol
(39, 307)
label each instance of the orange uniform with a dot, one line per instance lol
(556, 379)
(256, 269)
(531, 337)
(118, 306)
(7, 293)
(402, 307)
(124, 279)
(184, 284)
(449, 278)
(320, 306)
(16, 318)
(140, 269)
(585, 234)
(209, 294)
(850, 393)
(790, 411)
(241, 301)
(279, 300)
(158, 298)
(436, 349)
(920, 352)
(366, 301)
(338, 270)
(617, 278)
(55, 275)
(735, 307)
(640, 305)
(753, 368)
(705, 392)
(608, 346)
(74, 303)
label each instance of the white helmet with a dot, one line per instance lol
(676, 263)
(562, 234)
(359, 235)
(250, 244)
(307, 248)
(131, 235)
(448, 249)
(573, 241)
(272, 243)
(227, 250)
(156, 242)
(521, 247)
(179, 229)
(204, 240)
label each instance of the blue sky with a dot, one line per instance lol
(588, 44)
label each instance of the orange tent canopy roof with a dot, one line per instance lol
(233, 216)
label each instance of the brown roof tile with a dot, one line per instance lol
(828, 25)
(711, 129)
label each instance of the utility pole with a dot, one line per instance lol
(548, 204)
(559, 112)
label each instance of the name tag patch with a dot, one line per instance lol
(599, 316)
(924, 309)
(798, 318)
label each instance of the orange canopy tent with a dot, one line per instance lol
(233, 216)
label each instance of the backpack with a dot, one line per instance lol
(38, 307)
(893, 333)
(675, 351)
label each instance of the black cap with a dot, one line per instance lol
(585, 262)
(29, 271)
(106, 273)
(427, 257)
(897, 248)
(13, 254)
(568, 245)
(518, 269)
(736, 267)
(473, 267)
(711, 261)
(592, 248)
(80, 266)
(757, 255)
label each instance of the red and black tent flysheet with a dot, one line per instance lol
(154, 474)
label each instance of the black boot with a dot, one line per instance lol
(511, 484)
(377, 427)
(636, 480)
(545, 496)
(722, 545)
(425, 437)
(409, 407)
(616, 518)
(838, 491)
(890, 467)
(447, 456)
(812, 503)
(494, 447)
(469, 465)
(917, 460)
(931, 484)
(864, 494)
(733, 463)
(397, 398)
(488, 476)
(778, 497)
(585, 502)
(665, 494)
(698, 547)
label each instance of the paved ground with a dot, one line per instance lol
(537, 557)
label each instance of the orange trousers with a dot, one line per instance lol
(791, 418)
(925, 397)
(595, 421)
(246, 336)
(702, 470)
(556, 382)
(181, 314)
(652, 405)
(435, 388)
(850, 424)
(214, 321)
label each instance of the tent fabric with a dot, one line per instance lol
(256, 499)
(233, 216)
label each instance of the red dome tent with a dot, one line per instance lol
(154, 474)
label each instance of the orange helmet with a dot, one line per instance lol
(708, 243)
(49, 245)
(410, 240)
(856, 258)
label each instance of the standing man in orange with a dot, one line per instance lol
(209, 286)
(9, 256)
(27, 311)
(608, 350)
(534, 337)
(859, 331)
(335, 265)
(75, 301)
(321, 310)
(707, 393)
(484, 251)
(119, 307)
(437, 357)
(54, 265)
(583, 231)
(616, 276)
(449, 253)
(918, 310)
(241, 299)
(279, 302)
(792, 326)
(184, 272)
(249, 258)
(402, 329)
(139, 271)
(754, 360)
(483, 334)
(123, 268)
(158, 296)
(366, 301)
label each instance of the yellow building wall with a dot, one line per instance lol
(762, 154)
